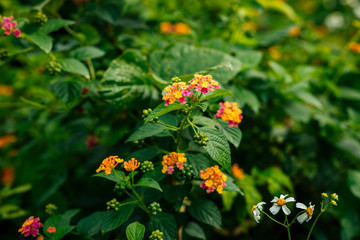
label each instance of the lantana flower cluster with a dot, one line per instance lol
(177, 28)
(172, 160)
(31, 226)
(131, 165)
(108, 164)
(9, 26)
(178, 91)
(230, 112)
(213, 179)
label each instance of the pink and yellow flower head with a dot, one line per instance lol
(230, 112)
(214, 179)
(9, 26)
(171, 160)
(176, 91)
(31, 227)
(131, 165)
(51, 230)
(108, 164)
(203, 84)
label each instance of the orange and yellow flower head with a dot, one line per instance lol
(237, 172)
(203, 84)
(7, 140)
(230, 112)
(213, 179)
(131, 165)
(172, 160)
(108, 164)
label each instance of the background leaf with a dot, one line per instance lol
(41, 40)
(165, 223)
(206, 211)
(74, 66)
(135, 231)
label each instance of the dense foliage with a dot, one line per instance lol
(90, 85)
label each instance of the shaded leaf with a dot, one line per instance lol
(162, 109)
(148, 182)
(41, 40)
(206, 211)
(53, 25)
(194, 230)
(135, 231)
(165, 223)
(87, 52)
(114, 219)
(74, 66)
(147, 130)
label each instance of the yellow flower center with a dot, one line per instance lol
(253, 208)
(281, 202)
(309, 211)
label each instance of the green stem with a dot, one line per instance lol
(142, 204)
(274, 219)
(287, 227)
(296, 217)
(312, 227)
(182, 124)
(91, 68)
(131, 202)
(169, 126)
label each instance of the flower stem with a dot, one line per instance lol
(91, 68)
(312, 227)
(173, 128)
(179, 133)
(274, 219)
(296, 217)
(287, 227)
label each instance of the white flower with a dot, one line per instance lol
(306, 215)
(280, 203)
(256, 210)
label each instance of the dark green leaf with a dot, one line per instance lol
(87, 52)
(203, 106)
(74, 66)
(148, 182)
(216, 93)
(199, 162)
(165, 223)
(206, 211)
(41, 40)
(218, 147)
(91, 225)
(114, 219)
(147, 130)
(233, 134)
(135, 231)
(112, 176)
(353, 181)
(194, 230)
(68, 91)
(162, 109)
(55, 24)
(205, 121)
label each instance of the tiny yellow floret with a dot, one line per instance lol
(281, 202)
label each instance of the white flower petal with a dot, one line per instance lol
(259, 205)
(274, 209)
(301, 205)
(302, 218)
(286, 209)
(275, 199)
(309, 217)
(256, 212)
(283, 196)
(257, 218)
(290, 199)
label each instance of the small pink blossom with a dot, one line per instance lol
(170, 170)
(180, 165)
(10, 26)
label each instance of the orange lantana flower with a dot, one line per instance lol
(109, 164)
(237, 172)
(213, 179)
(131, 165)
(51, 230)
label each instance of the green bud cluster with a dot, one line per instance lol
(113, 205)
(201, 139)
(147, 166)
(4, 54)
(155, 208)
(139, 142)
(187, 173)
(175, 80)
(54, 68)
(156, 235)
(41, 18)
(50, 209)
(146, 113)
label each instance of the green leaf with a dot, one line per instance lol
(205, 121)
(74, 66)
(184, 59)
(233, 134)
(350, 93)
(147, 130)
(91, 225)
(218, 147)
(124, 82)
(199, 162)
(350, 145)
(251, 99)
(353, 181)
(282, 7)
(112, 176)
(87, 52)
(309, 98)
(203, 106)
(216, 93)
(251, 194)
(194, 230)
(7, 192)
(249, 58)
(66, 217)
(206, 211)
(231, 186)
(114, 219)
(135, 231)
(148, 182)
(41, 40)
(165, 223)
(55, 24)
(280, 71)
(228, 199)
(68, 91)
(162, 109)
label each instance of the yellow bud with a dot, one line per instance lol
(335, 196)
(324, 195)
(333, 203)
